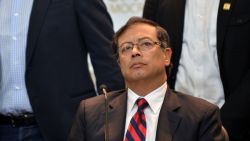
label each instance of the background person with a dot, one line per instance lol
(211, 50)
(43, 64)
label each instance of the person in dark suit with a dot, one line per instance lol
(44, 79)
(164, 115)
(226, 31)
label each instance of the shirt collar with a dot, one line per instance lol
(154, 98)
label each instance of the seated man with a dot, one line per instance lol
(147, 110)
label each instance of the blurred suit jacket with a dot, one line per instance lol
(182, 118)
(61, 34)
(233, 49)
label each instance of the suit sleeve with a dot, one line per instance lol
(235, 112)
(211, 127)
(97, 31)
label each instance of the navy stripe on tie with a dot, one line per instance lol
(129, 137)
(142, 120)
(137, 130)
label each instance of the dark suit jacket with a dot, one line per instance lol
(233, 47)
(182, 118)
(61, 33)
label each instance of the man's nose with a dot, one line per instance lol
(136, 51)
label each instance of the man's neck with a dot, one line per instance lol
(144, 87)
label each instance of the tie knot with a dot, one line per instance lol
(141, 103)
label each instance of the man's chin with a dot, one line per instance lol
(136, 77)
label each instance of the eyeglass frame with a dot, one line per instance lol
(138, 46)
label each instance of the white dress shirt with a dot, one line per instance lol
(198, 73)
(155, 100)
(14, 22)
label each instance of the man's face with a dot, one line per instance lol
(141, 63)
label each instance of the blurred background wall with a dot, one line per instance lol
(122, 10)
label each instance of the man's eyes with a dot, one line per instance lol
(146, 44)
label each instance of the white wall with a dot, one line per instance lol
(122, 10)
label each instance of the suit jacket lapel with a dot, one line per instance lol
(37, 17)
(117, 117)
(168, 119)
(223, 23)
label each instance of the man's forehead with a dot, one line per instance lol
(138, 31)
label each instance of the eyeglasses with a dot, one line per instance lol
(142, 45)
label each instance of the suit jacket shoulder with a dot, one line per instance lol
(89, 123)
(190, 103)
(184, 117)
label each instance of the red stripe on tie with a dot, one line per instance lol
(134, 134)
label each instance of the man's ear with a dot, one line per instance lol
(118, 61)
(167, 56)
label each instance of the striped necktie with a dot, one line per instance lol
(137, 126)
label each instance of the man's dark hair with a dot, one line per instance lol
(162, 35)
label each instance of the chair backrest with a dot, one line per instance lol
(225, 133)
